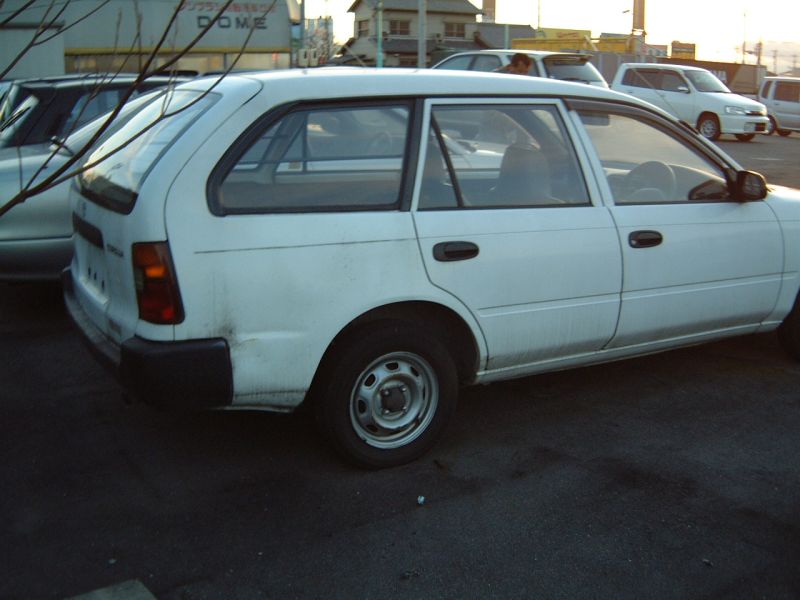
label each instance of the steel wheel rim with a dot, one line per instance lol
(394, 400)
(708, 128)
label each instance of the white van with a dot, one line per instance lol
(693, 95)
(781, 96)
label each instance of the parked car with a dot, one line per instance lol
(311, 236)
(693, 95)
(36, 110)
(781, 96)
(566, 66)
(36, 236)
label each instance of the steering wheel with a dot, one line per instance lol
(652, 176)
(380, 144)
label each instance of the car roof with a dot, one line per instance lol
(349, 82)
(513, 51)
(671, 67)
(781, 78)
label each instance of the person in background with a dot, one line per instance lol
(520, 65)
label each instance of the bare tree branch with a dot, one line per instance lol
(68, 169)
(16, 13)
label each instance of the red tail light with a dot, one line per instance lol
(156, 286)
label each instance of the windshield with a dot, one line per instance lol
(569, 68)
(128, 155)
(10, 126)
(704, 81)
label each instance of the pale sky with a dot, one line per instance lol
(716, 26)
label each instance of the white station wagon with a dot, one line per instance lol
(366, 241)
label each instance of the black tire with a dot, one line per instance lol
(745, 137)
(408, 386)
(771, 126)
(708, 126)
(784, 132)
(789, 331)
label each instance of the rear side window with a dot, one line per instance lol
(318, 159)
(121, 163)
(787, 91)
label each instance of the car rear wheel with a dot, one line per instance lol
(708, 126)
(745, 137)
(784, 132)
(385, 396)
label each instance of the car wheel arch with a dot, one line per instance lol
(454, 331)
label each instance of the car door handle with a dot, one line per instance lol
(450, 251)
(645, 239)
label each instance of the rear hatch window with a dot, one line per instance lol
(572, 68)
(120, 164)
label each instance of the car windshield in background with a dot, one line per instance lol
(571, 69)
(704, 81)
(114, 182)
(10, 126)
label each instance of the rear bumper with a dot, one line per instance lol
(191, 374)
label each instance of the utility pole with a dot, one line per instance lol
(744, 37)
(422, 45)
(379, 56)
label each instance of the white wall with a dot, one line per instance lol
(40, 61)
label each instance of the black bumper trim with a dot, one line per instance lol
(186, 375)
(191, 374)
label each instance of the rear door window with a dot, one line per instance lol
(328, 158)
(500, 156)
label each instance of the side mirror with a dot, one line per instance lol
(749, 186)
(683, 88)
